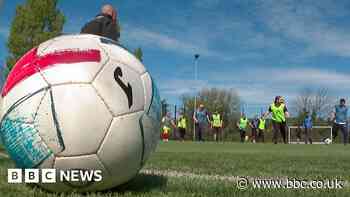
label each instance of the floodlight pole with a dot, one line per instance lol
(196, 56)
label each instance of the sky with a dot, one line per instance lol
(260, 48)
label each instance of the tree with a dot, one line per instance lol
(322, 104)
(35, 22)
(138, 54)
(317, 102)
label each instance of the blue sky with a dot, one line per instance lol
(261, 48)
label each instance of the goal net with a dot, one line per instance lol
(296, 135)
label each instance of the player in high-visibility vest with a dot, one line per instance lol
(216, 125)
(242, 125)
(261, 129)
(182, 125)
(279, 112)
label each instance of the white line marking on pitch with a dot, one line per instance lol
(178, 174)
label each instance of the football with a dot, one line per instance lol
(327, 141)
(80, 102)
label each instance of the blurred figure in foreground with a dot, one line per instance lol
(104, 24)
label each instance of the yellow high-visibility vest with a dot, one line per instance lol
(262, 124)
(278, 113)
(243, 123)
(217, 122)
(182, 123)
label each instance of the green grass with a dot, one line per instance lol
(267, 160)
(307, 161)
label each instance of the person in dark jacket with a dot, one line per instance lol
(104, 24)
(254, 126)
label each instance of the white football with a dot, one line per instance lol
(327, 141)
(80, 102)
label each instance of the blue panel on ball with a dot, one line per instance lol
(23, 143)
(155, 107)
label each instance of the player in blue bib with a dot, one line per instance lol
(201, 119)
(340, 116)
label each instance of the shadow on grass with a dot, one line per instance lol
(142, 183)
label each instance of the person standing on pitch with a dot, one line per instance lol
(242, 125)
(201, 120)
(307, 124)
(167, 123)
(216, 126)
(279, 112)
(104, 24)
(182, 125)
(340, 117)
(254, 126)
(261, 129)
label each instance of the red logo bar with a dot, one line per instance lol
(31, 63)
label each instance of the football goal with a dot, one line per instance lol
(296, 135)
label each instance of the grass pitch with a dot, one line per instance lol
(195, 169)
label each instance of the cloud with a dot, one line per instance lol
(222, 39)
(177, 87)
(161, 40)
(258, 86)
(309, 24)
(307, 76)
(267, 83)
(259, 32)
(214, 33)
(169, 43)
(298, 76)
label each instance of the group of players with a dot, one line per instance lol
(279, 114)
(201, 119)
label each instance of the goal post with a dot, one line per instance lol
(318, 134)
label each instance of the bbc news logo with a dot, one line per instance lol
(52, 175)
